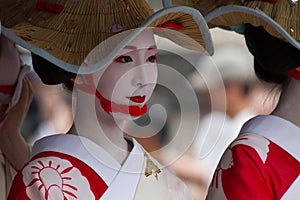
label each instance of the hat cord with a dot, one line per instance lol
(107, 105)
(51, 7)
(294, 73)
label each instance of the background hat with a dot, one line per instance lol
(280, 18)
(65, 31)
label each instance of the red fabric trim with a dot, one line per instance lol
(169, 24)
(52, 7)
(294, 74)
(7, 89)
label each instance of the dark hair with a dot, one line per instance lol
(264, 74)
(49, 73)
(272, 56)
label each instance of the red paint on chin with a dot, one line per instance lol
(138, 99)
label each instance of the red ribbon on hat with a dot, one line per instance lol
(107, 105)
(294, 74)
(169, 24)
(273, 1)
(52, 7)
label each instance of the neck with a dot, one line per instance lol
(233, 111)
(288, 106)
(92, 122)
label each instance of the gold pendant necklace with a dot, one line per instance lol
(151, 168)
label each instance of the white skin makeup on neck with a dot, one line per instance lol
(128, 81)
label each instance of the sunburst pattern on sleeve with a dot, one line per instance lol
(55, 178)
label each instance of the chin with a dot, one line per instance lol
(122, 116)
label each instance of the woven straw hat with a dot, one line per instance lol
(280, 18)
(65, 31)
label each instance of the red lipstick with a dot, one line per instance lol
(138, 99)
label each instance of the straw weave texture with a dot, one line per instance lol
(188, 35)
(288, 17)
(84, 24)
(73, 33)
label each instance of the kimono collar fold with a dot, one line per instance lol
(92, 154)
(280, 131)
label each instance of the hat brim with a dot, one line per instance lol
(197, 30)
(279, 19)
(237, 15)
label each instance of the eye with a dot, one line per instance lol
(124, 59)
(152, 59)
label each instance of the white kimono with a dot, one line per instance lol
(74, 167)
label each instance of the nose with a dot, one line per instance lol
(140, 76)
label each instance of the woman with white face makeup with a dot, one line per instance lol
(136, 73)
(122, 90)
(117, 77)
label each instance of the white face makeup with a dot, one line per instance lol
(131, 77)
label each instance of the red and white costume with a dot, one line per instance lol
(72, 167)
(262, 163)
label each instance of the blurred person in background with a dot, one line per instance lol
(50, 111)
(53, 110)
(228, 96)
